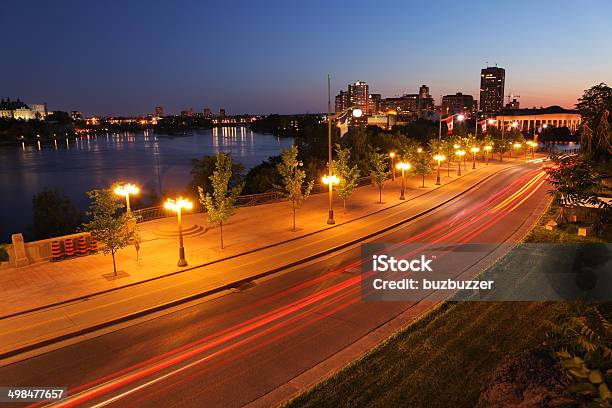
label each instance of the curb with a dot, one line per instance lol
(230, 285)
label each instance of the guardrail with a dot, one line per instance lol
(153, 213)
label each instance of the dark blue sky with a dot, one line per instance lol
(125, 57)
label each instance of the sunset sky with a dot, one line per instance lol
(124, 58)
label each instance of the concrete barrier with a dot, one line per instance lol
(24, 253)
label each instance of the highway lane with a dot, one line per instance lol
(233, 349)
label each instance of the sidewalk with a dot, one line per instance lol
(251, 228)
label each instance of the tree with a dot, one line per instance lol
(380, 171)
(602, 138)
(293, 176)
(108, 226)
(53, 215)
(202, 169)
(348, 174)
(593, 102)
(220, 205)
(421, 163)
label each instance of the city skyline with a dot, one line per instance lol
(183, 57)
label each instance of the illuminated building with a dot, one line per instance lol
(492, 80)
(457, 103)
(530, 120)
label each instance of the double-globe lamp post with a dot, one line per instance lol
(439, 158)
(126, 190)
(403, 166)
(330, 180)
(487, 149)
(177, 206)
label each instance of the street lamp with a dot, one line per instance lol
(177, 206)
(459, 153)
(439, 158)
(127, 190)
(487, 149)
(460, 118)
(403, 166)
(532, 145)
(392, 156)
(356, 112)
(474, 150)
(330, 180)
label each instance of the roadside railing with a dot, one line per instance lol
(153, 213)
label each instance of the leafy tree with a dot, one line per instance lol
(263, 177)
(348, 174)
(108, 226)
(575, 181)
(220, 204)
(380, 171)
(54, 214)
(293, 177)
(593, 102)
(421, 163)
(202, 169)
(602, 137)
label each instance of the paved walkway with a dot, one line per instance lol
(249, 229)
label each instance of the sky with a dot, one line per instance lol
(126, 57)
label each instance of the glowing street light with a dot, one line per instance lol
(420, 150)
(474, 150)
(403, 166)
(533, 146)
(487, 149)
(460, 118)
(392, 156)
(439, 158)
(177, 206)
(460, 154)
(127, 190)
(330, 180)
(517, 146)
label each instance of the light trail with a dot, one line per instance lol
(192, 349)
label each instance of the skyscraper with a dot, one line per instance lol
(492, 80)
(159, 111)
(358, 94)
(374, 103)
(342, 101)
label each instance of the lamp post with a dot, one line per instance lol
(487, 149)
(474, 150)
(460, 118)
(330, 166)
(127, 190)
(392, 156)
(460, 154)
(177, 206)
(439, 158)
(403, 166)
(330, 180)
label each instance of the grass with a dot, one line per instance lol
(442, 360)
(447, 356)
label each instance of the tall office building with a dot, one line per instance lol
(492, 80)
(222, 112)
(342, 101)
(358, 94)
(207, 113)
(159, 111)
(457, 103)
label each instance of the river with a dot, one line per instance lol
(155, 162)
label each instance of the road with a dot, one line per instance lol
(233, 349)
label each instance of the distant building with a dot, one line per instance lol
(19, 110)
(492, 81)
(425, 101)
(341, 101)
(405, 106)
(384, 121)
(530, 120)
(457, 103)
(207, 113)
(222, 112)
(358, 94)
(514, 104)
(76, 115)
(184, 113)
(159, 111)
(374, 103)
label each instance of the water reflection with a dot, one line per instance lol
(156, 162)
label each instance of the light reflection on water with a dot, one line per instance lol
(75, 166)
